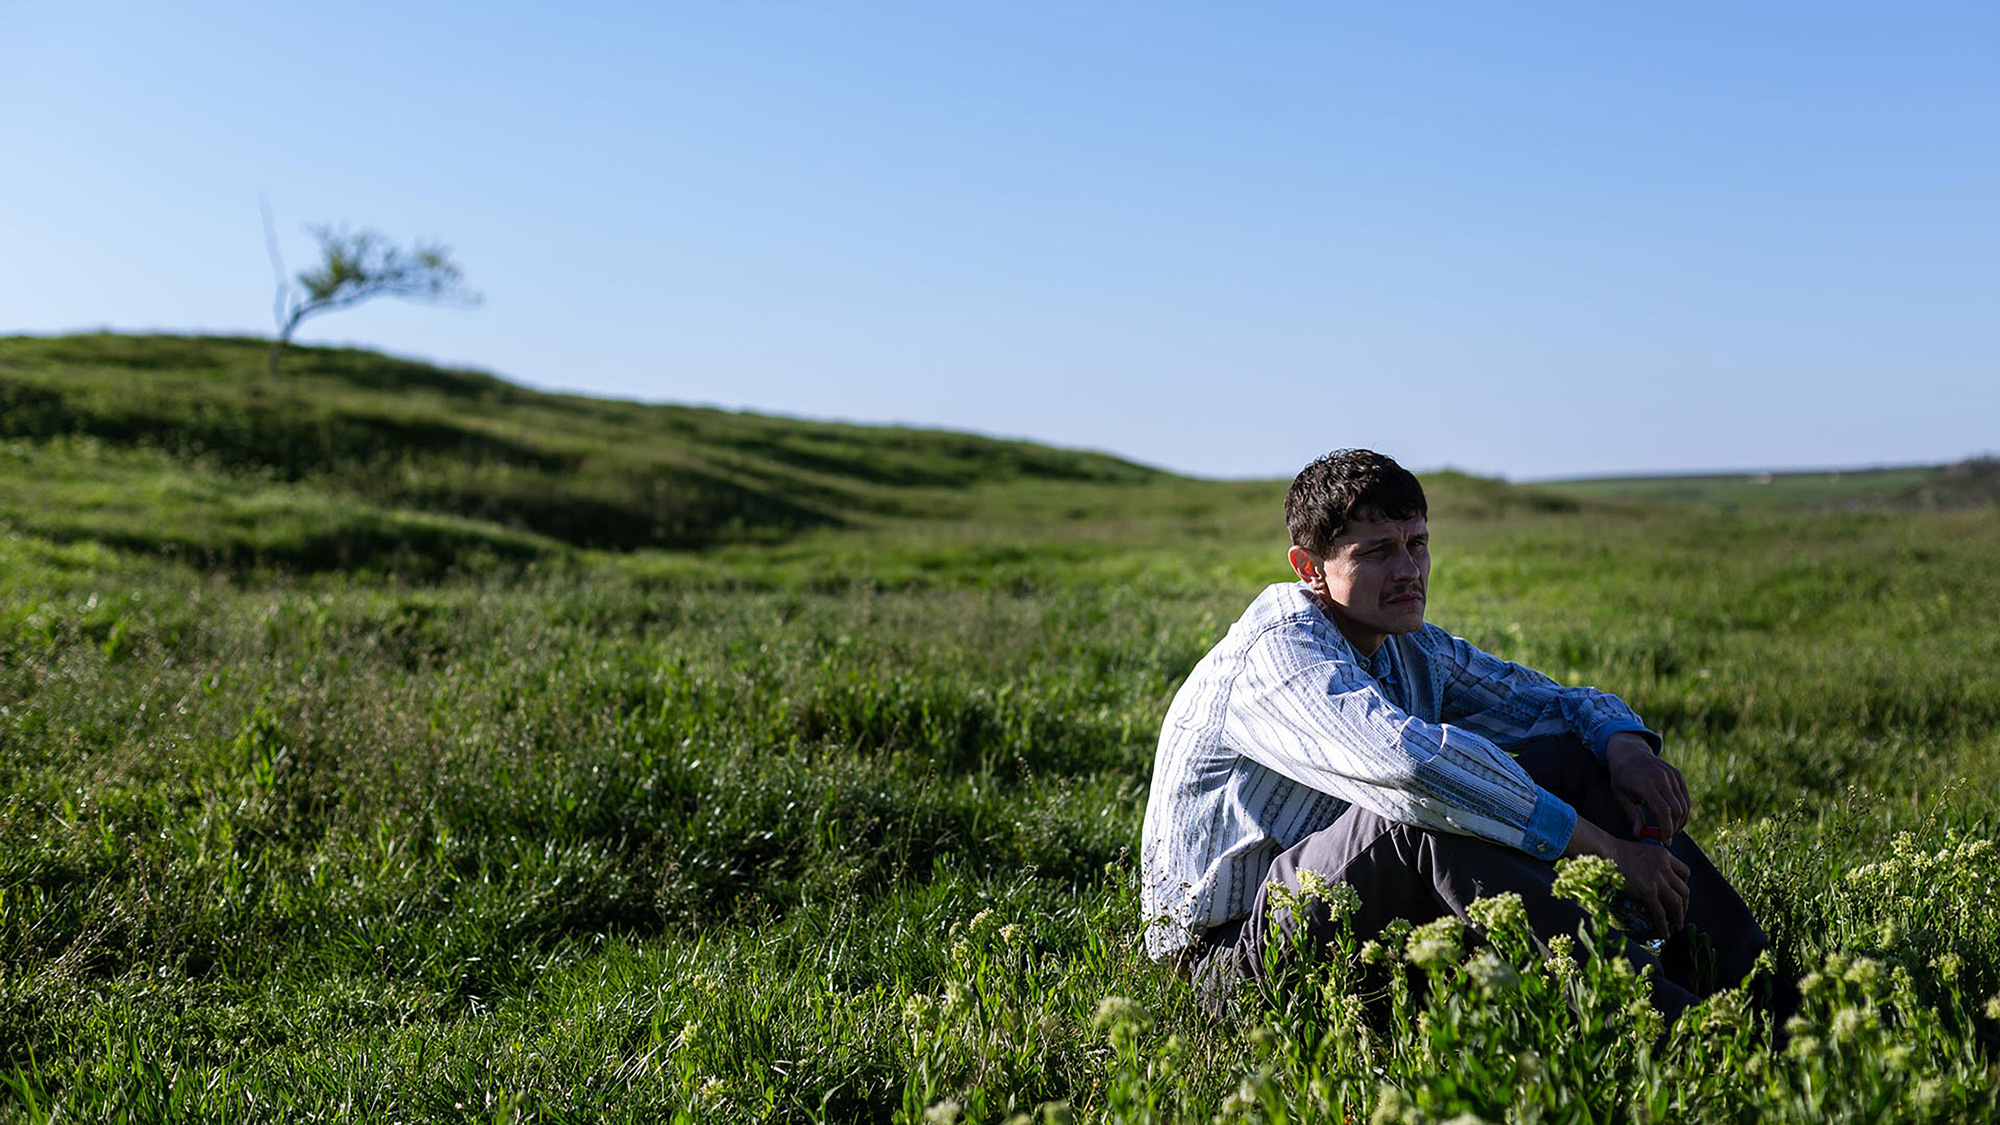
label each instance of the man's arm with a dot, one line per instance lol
(1510, 703)
(1304, 708)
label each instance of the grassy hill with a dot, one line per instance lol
(389, 743)
(184, 445)
(1927, 487)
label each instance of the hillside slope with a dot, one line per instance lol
(184, 445)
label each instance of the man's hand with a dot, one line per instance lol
(1654, 878)
(1642, 780)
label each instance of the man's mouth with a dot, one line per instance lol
(1408, 597)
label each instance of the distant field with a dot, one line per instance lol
(1828, 489)
(394, 744)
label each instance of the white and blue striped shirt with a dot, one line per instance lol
(1283, 725)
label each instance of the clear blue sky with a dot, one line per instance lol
(1529, 240)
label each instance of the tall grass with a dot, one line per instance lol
(835, 826)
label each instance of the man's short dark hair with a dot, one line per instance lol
(1344, 485)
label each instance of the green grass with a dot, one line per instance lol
(331, 796)
(1974, 482)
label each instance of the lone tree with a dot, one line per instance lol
(356, 266)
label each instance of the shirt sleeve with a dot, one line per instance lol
(1304, 708)
(1509, 703)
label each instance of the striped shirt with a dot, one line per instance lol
(1283, 725)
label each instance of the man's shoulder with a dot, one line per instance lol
(1285, 615)
(1280, 605)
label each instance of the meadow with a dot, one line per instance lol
(394, 744)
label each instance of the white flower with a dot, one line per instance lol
(1848, 1023)
(1499, 912)
(1491, 972)
(1121, 1011)
(1435, 942)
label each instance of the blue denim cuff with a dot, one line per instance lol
(1602, 737)
(1549, 827)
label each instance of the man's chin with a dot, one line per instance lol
(1408, 621)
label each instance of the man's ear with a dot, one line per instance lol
(1306, 567)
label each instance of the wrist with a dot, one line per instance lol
(1626, 746)
(1589, 839)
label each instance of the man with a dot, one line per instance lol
(1333, 731)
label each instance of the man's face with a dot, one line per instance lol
(1375, 581)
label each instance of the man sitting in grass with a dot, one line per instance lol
(1332, 731)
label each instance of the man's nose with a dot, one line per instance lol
(1406, 564)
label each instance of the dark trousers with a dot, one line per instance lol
(1402, 871)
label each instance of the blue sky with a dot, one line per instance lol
(1527, 240)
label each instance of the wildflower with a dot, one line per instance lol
(690, 1034)
(1804, 1047)
(1468, 1119)
(1373, 953)
(1491, 972)
(1993, 1007)
(1562, 957)
(709, 1090)
(1282, 904)
(1013, 933)
(980, 922)
(1647, 1023)
(1340, 899)
(917, 1010)
(1500, 913)
(943, 1113)
(1897, 1058)
(1947, 966)
(1263, 1038)
(1312, 884)
(1057, 1113)
(1811, 983)
(1392, 1106)
(1927, 1093)
(1115, 1012)
(1866, 972)
(1435, 942)
(957, 997)
(1726, 1012)
(1587, 879)
(1848, 1023)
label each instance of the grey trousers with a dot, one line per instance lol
(1403, 871)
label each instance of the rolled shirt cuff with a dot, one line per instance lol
(1602, 737)
(1549, 827)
